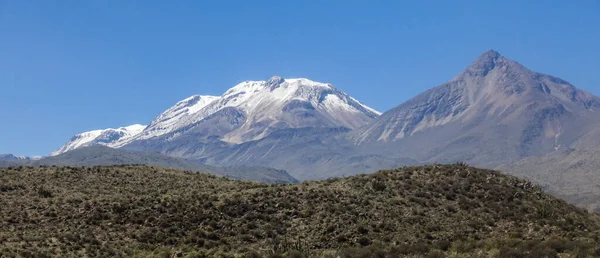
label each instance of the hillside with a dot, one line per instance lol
(435, 210)
(99, 155)
(312, 153)
(570, 174)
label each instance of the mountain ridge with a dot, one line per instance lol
(249, 111)
(112, 137)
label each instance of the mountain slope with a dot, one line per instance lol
(570, 174)
(174, 117)
(99, 155)
(109, 137)
(429, 211)
(307, 153)
(496, 111)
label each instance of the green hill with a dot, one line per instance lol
(427, 211)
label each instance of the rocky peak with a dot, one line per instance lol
(485, 63)
(274, 82)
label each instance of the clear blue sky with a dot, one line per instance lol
(72, 66)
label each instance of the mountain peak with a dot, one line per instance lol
(490, 54)
(485, 62)
(276, 79)
(274, 82)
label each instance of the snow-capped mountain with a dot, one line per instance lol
(10, 157)
(110, 137)
(173, 118)
(249, 111)
(253, 109)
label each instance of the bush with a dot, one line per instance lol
(378, 186)
(363, 241)
(506, 252)
(44, 193)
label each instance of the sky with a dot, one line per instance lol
(71, 66)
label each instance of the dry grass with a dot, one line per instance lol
(433, 211)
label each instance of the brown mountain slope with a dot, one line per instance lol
(495, 112)
(437, 210)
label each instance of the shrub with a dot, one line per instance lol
(363, 241)
(44, 193)
(378, 186)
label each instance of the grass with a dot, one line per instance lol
(427, 211)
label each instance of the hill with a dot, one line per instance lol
(435, 210)
(570, 174)
(99, 155)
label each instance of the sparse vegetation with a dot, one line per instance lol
(428, 211)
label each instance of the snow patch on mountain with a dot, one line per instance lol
(111, 137)
(173, 118)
